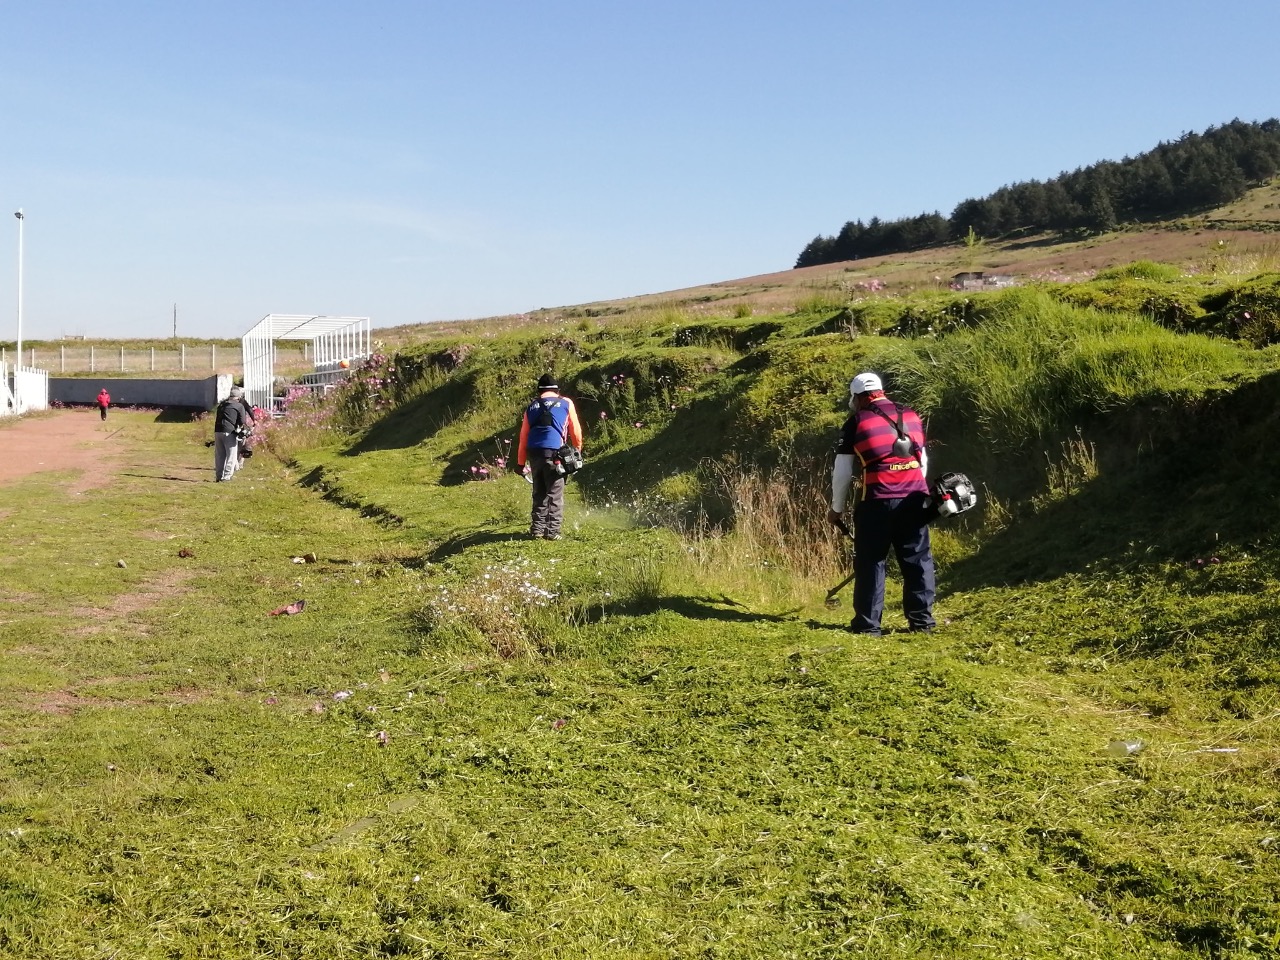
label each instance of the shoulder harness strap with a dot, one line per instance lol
(545, 419)
(897, 425)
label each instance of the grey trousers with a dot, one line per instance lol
(548, 494)
(226, 452)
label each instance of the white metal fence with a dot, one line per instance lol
(22, 390)
(7, 402)
(200, 360)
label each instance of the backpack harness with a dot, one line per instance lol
(904, 446)
(570, 457)
(545, 418)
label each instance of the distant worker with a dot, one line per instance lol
(549, 423)
(886, 443)
(230, 424)
(104, 401)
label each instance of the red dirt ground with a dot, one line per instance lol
(59, 441)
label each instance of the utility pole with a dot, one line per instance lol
(175, 321)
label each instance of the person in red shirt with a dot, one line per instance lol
(886, 442)
(104, 401)
(549, 423)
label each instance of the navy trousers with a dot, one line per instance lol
(879, 525)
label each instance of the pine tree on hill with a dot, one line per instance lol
(1193, 173)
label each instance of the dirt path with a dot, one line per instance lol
(62, 440)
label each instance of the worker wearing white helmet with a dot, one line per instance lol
(886, 443)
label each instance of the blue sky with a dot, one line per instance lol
(417, 161)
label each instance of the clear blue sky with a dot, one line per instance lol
(415, 161)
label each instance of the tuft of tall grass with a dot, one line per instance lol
(1032, 366)
(504, 606)
(1142, 270)
(773, 541)
(820, 303)
(308, 424)
(1070, 473)
(647, 580)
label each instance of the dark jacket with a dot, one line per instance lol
(230, 417)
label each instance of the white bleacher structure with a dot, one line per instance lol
(337, 343)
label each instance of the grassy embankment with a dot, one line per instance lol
(651, 739)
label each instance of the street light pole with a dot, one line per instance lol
(20, 223)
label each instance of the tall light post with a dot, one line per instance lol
(20, 222)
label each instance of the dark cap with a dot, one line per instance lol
(547, 382)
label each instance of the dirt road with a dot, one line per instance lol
(58, 441)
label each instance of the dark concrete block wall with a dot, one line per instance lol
(194, 394)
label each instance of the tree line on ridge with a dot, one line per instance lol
(1197, 171)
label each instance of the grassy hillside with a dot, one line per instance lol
(653, 739)
(1118, 585)
(1238, 239)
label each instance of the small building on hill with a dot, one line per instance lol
(978, 280)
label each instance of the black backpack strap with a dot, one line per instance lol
(897, 425)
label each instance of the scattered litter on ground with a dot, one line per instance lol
(1124, 748)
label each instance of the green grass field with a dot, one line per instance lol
(652, 738)
(643, 740)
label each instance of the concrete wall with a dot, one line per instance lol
(195, 394)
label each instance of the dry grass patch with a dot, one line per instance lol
(126, 605)
(65, 703)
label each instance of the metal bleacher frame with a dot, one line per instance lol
(336, 344)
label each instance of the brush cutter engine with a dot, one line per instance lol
(953, 494)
